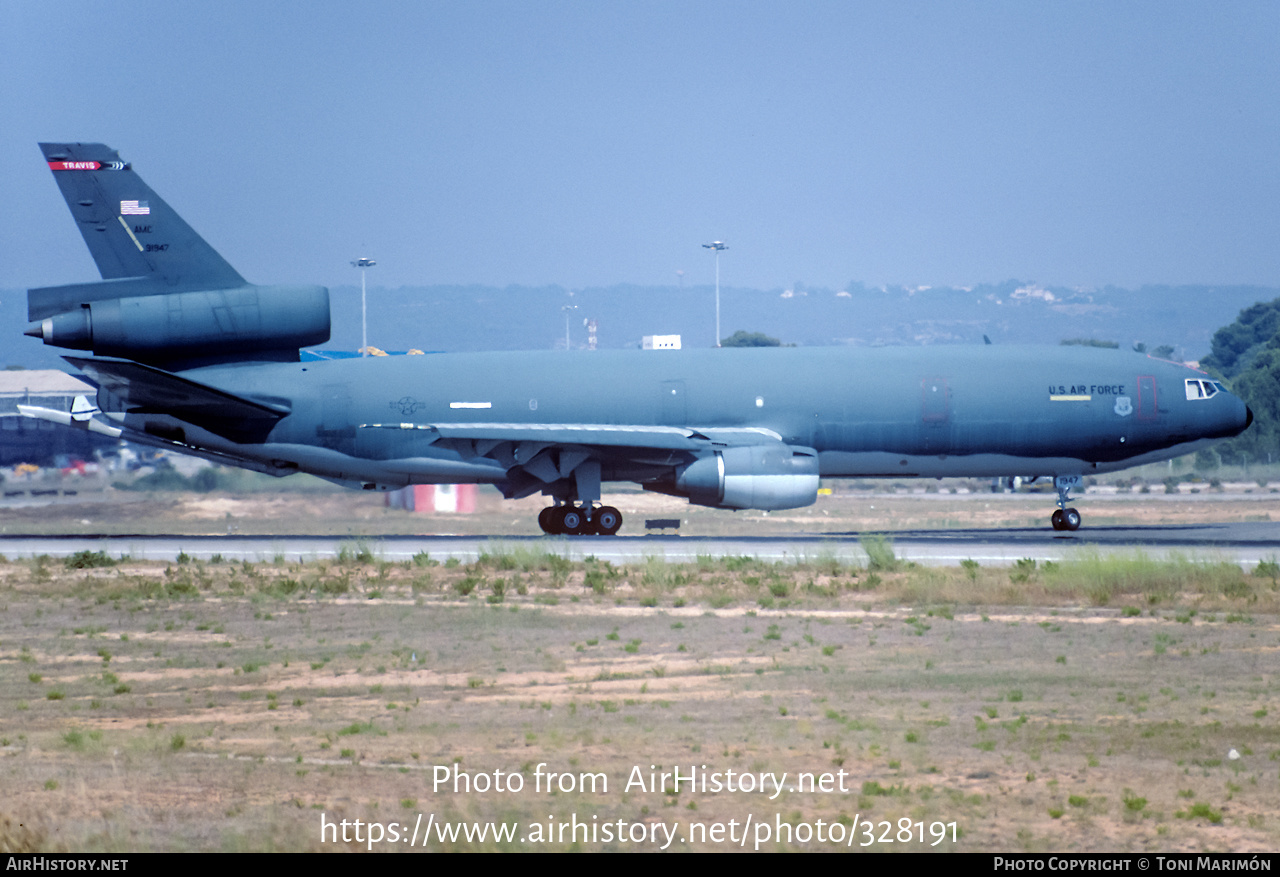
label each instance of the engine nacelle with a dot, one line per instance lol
(189, 324)
(754, 477)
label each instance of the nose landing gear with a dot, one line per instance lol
(1065, 518)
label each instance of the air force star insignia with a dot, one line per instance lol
(408, 405)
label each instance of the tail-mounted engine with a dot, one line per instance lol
(191, 325)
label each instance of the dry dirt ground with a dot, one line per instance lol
(245, 706)
(341, 512)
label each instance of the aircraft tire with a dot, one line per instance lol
(573, 521)
(547, 520)
(1071, 520)
(608, 520)
(1056, 520)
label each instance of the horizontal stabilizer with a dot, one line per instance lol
(142, 389)
(71, 418)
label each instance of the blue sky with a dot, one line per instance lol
(583, 144)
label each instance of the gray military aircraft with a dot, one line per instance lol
(188, 355)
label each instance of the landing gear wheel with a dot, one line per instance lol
(551, 519)
(1066, 518)
(608, 520)
(1071, 519)
(573, 521)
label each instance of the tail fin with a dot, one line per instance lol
(166, 298)
(129, 229)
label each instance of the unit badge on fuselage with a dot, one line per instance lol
(1124, 406)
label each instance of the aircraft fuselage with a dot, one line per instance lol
(896, 412)
(189, 356)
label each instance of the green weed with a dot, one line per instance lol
(880, 555)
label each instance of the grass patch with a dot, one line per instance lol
(1201, 810)
(1102, 578)
(88, 560)
(880, 555)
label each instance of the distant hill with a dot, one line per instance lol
(457, 318)
(525, 318)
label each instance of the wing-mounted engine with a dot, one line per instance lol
(772, 476)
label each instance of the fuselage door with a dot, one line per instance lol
(335, 417)
(937, 400)
(672, 405)
(1146, 397)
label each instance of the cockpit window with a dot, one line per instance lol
(1197, 389)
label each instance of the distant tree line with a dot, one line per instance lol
(1090, 342)
(751, 339)
(1235, 347)
(1164, 351)
(1246, 356)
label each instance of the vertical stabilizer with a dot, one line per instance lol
(129, 229)
(166, 298)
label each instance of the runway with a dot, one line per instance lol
(1244, 543)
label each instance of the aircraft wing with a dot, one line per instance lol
(538, 455)
(671, 438)
(146, 390)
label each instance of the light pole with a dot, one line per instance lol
(568, 310)
(363, 263)
(717, 246)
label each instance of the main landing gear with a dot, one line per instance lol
(580, 520)
(576, 512)
(1065, 518)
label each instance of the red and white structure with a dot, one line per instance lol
(447, 498)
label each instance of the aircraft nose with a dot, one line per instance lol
(1235, 417)
(1241, 417)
